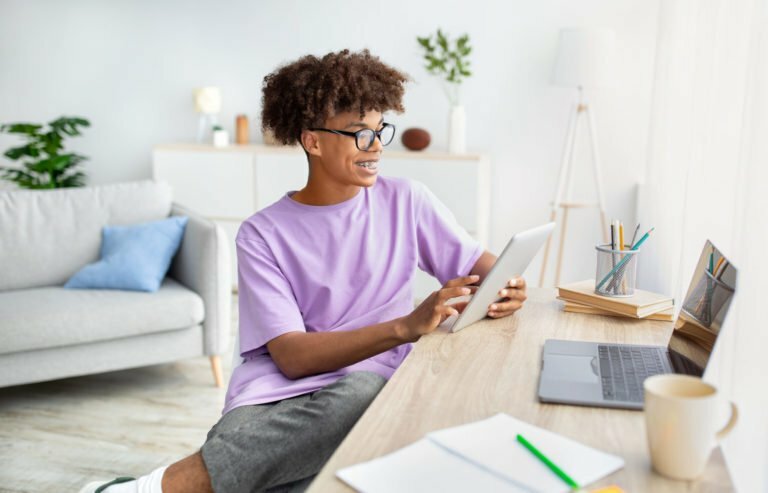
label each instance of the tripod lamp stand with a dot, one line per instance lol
(583, 61)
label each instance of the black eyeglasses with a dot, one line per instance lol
(364, 137)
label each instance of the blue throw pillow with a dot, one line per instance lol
(133, 257)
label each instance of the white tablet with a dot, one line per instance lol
(513, 261)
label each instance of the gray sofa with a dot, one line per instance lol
(48, 332)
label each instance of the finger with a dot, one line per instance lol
(459, 306)
(446, 311)
(513, 294)
(501, 314)
(517, 282)
(513, 305)
(448, 293)
(461, 281)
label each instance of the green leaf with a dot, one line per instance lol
(15, 153)
(54, 163)
(442, 41)
(73, 180)
(53, 145)
(22, 178)
(21, 128)
(78, 158)
(68, 125)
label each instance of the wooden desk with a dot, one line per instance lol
(493, 366)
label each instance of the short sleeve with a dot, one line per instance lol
(446, 250)
(266, 301)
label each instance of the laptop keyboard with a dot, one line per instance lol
(623, 369)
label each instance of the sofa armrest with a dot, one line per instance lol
(203, 265)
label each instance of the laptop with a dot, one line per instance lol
(517, 255)
(611, 375)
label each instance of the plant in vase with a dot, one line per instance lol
(449, 60)
(220, 136)
(44, 165)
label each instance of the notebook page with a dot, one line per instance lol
(423, 467)
(492, 443)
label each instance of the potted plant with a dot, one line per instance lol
(220, 136)
(449, 60)
(43, 164)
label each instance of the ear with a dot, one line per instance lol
(310, 143)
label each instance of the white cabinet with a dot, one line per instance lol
(229, 184)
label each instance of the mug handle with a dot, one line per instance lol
(731, 423)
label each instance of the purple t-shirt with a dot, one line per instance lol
(339, 267)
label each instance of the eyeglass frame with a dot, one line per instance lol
(377, 134)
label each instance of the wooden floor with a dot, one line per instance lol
(57, 436)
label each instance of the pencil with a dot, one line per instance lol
(621, 236)
(719, 263)
(551, 465)
(632, 243)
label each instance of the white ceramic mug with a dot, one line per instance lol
(681, 418)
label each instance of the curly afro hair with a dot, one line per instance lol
(307, 92)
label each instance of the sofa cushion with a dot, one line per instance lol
(74, 316)
(48, 235)
(133, 257)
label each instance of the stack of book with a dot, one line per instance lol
(580, 297)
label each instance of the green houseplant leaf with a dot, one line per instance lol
(42, 164)
(447, 59)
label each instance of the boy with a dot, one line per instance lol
(325, 277)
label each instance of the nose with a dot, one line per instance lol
(376, 145)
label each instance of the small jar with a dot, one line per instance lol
(241, 129)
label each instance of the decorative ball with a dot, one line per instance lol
(415, 139)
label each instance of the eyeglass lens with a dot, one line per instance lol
(365, 137)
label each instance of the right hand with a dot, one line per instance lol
(433, 311)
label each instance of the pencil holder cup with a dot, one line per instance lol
(707, 298)
(616, 271)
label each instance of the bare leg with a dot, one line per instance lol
(188, 475)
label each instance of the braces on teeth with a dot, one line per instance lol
(367, 165)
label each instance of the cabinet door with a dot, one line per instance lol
(215, 184)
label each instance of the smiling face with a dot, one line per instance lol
(335, 161)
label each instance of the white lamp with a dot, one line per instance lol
(584, 60)
(208, 104)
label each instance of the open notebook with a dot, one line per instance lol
(481, 456)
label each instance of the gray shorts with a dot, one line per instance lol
(282, 445)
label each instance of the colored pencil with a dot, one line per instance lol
(551, 465)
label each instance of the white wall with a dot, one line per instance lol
(707, 179)
(130, 67)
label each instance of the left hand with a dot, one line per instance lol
(513, 296)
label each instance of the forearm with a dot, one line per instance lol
(483, 265)
(299, 354)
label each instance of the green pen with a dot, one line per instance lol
(551, 465)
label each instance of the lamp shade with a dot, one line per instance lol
(584, 58)
(207, 100)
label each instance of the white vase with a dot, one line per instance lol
(457, 141)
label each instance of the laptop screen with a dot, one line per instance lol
(704, 309)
